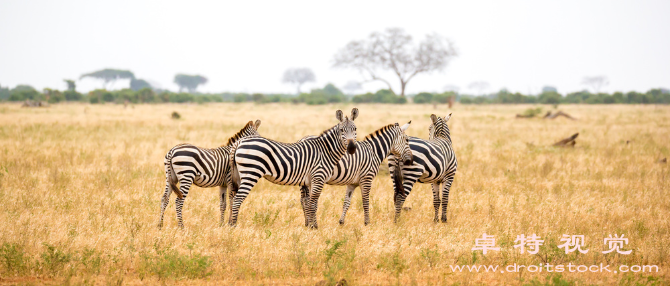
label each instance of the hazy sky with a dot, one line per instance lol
(245, 46)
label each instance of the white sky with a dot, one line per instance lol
(245, 46)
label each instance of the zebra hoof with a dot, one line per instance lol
(444, 219)
(341, 221)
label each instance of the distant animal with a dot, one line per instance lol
(187, 164)
(308, 163)
(175, 115)
(434, 163)
(359, 169)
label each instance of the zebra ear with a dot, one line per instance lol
(339, 115)
(433, 117)
(406, 126)
(258, 123)
(354, 113)
(446, 118)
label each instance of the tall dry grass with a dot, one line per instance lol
(80, 187)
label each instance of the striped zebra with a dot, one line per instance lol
(434, 163)
(187, 164)
(359, 169)
(308, 163)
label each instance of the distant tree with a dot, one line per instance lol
(109, 75)
(189, 82)
(258, 97)
(71, 86)
(331, 89)
(298, 76)
(423, 97)
(137, 84)
(4, 93)
(479, 86)
(595, 82)
(452, 88)
(352, 86)
(547, 88)
(392, 50)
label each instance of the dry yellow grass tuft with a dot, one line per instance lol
(80, 187)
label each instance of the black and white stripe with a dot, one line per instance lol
(434, 163)
(187, 164)
(308, 163)
(360, 168)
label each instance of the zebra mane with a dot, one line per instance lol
(324, 132)
(380, 130)
(247, 130)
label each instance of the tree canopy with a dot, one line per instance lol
(189, 82)
(298, 76)
(109, 75)
(137, 84)
(393, 50)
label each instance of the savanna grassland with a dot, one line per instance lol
(80, 187)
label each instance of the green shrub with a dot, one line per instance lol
(168, 263)
(14, 260)
(423, 97)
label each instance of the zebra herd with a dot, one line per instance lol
(334, 157)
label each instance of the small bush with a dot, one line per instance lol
(265, 217)
(53, 260)
(532, 112)
(13, 259)
(168, 263)
(430, 256)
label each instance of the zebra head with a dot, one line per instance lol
(347, 129)
(439, 127)
(400, 145)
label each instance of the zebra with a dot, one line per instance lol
(359, 169)
(189, 164)
(434, 163)
(308, 163)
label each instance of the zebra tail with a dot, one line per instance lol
(235, 175)
(398, 179)
(172, 176)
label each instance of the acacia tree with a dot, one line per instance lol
(596, 82)
(189, 82)
(71, 86)
(393, 50)
(109, 75)
(137, 84)
(298, 76)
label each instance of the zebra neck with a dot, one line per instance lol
(381, 142)
(331, 145)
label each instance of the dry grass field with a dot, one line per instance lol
(80, 187)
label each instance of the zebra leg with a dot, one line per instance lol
(246, 184)
(445, 196)
(317, 186)
(394, 171)
(406, 187)
(304, 202)
(365, 194)
(231, 197)
(165, 200)
(436, 200)
(184, 186)
(222, 202)
(347, 202)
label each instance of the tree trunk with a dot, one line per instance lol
(403, 84)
